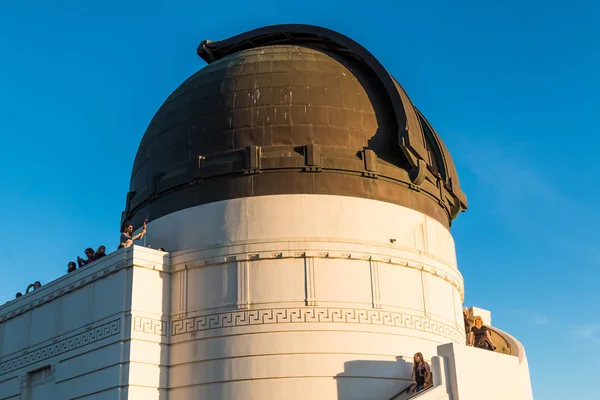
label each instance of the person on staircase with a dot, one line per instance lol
(421, 373)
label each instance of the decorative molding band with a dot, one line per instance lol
(314, 315)
(61, 290)
(65, 345)
(360, 256)
(148, 325)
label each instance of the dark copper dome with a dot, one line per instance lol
(290, 109)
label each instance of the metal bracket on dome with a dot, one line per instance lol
(417, 175)
(195, 171)
(312, 155)
(252, 160)
(153, 188)
(413, 159)
(370, 161)
(455, 208)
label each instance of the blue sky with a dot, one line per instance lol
(512, 87)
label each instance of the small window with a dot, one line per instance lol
(40, 376)
(40, 384)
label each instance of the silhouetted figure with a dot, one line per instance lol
(71, 267)
(89, 252)
(126, 238)
(101, 252)
(19, 294)
(33, 286)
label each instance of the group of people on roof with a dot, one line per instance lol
(91, 256)
(477, 334)
(31, 286)
(126, 240)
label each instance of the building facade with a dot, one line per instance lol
(305, 205)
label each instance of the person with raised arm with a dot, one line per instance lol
(126, 237)
(33, 286)
(89, 252)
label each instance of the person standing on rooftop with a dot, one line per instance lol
(89, 252)
(71, 267)
(126, 237)
(101, 252)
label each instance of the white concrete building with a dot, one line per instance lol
(305, 205)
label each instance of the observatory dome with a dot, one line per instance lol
(290, 109)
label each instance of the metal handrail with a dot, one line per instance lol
(406, 389)
(418, 393)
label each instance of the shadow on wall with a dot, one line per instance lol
(370, 379)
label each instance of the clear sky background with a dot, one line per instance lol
(512, 87)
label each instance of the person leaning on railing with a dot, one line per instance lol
(480, 336)
(127, 239)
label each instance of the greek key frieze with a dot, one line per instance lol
(65, 345)
(240, 318)
(148, 325)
